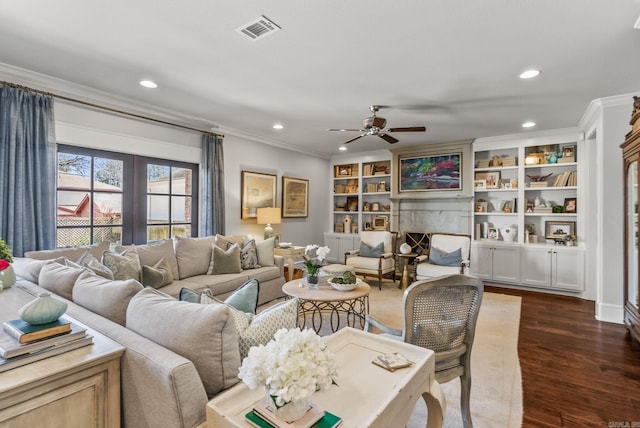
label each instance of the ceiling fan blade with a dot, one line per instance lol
(343, 129)
(408, 129)
(354, 139)
(388, 138)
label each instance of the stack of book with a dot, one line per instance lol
(263, 416)
(569, 178)
(23, 343)
(509, 161)
(482, 163)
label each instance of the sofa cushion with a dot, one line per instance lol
(193, 255)
(158, 275)
(152, 252)
(59, 279)
(105, 297)
(125, 265)
(225, 261)
(442, 258)
(87, 260)
(218, 284)
(204, 334)
(72, 253)
(29, 269)
(265, 252)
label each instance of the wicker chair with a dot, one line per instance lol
(441, 314)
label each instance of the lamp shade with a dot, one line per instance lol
(269, 216)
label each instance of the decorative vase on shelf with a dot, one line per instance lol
(509, 233)
(43, 309)
(405, 248)
(7, 276)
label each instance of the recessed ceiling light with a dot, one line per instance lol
(278, 126)
(528, 124)
(149, 84)
(342, 149)
(528, 74)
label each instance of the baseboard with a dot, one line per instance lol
(609, 313)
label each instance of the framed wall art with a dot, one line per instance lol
(258, 191)
(431, 172)
(492, 179)
(295, 197)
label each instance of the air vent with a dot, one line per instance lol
(259, 28)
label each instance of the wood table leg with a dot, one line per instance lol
(436, 405)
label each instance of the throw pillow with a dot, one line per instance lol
(442, 258)
(225, 241)
(249, 255)
(72, 253)
(204, 334)
(194, 255)
(87, 260)
(151, 252)
(158, 275)
(59, 279)
(29, 269)
(367, 250)
(125, 265)
(260, 329)
(105, 297)
(225, 261)
(244, 299)
(192, 296)
(265, 252)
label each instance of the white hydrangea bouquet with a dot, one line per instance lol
(291, 367)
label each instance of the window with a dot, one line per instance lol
(123, 198)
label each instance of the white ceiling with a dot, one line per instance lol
(451, 65)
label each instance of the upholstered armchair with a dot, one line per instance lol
(448, 255)
(440, 314)
(376, 255)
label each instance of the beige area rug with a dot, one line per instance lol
(496, 387)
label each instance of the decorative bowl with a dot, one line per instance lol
(344, 287)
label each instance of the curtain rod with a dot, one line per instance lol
(111, 109)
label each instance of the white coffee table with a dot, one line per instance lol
(366, 395)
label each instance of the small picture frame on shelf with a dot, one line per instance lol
(481, 206)
(504, 183)
(479, 184)
(570, 205)
(491, 178)
(380, 222)
(492, 233)
(352, 203)
(559, 229)
(375, 206)
(343, 170)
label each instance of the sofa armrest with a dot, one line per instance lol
(279, 261)
(421, 259)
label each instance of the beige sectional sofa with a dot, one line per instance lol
(178, 354)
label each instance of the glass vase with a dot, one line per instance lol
(311, 281)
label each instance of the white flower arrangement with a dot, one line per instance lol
(292, 366)
(313, 265)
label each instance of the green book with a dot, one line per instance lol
(25, 332)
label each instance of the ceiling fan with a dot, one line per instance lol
(375, 125)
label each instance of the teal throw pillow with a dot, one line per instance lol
(244, 299)
(442, 258)
(369, 251)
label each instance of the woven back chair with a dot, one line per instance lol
(441, 314)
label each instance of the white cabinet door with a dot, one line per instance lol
(339, 244)
(567, 269)
(536, 266)
(482, 261)
(506, 264)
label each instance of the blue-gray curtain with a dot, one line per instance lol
(27, 170)
(212, 218)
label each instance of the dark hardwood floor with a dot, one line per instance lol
(576, 371)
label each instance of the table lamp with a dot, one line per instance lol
(268, 216)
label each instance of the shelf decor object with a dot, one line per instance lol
(43, 309)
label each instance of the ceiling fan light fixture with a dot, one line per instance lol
(278, 126)
(528, 124)
(529, 74)
(148, 84)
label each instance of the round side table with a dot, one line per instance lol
(351, 306)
